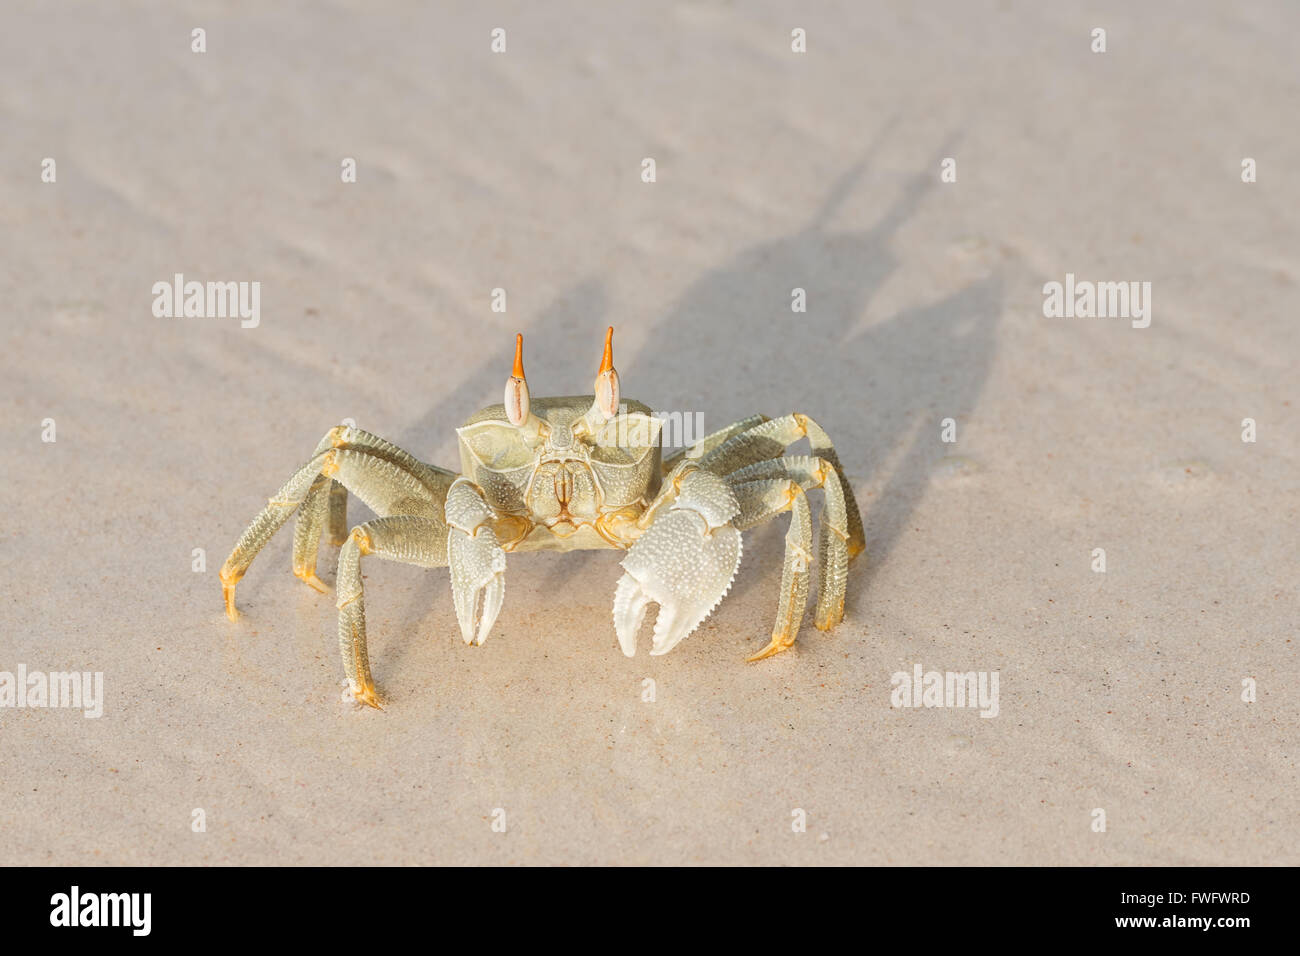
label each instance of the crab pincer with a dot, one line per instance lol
(476, 560)
(685, 563)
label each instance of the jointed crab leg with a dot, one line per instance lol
(327, 499)
(312, 515)
(709, 442)
(389, 483)
(834, 536)
(338, 512)
(412, 540)
(768, 440)
(760, 501)
(266, 524)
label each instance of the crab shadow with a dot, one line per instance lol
(730, 346)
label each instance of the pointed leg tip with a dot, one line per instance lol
(365, 695)
(228, 582)
(311, 580)
(776, 645)
(228, 593)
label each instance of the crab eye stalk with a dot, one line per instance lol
(607, 381)
(516, 397)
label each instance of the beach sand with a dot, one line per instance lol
(1119, 691)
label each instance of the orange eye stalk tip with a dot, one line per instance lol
(519, 356)
(607, 362)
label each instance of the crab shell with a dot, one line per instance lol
(565, 474)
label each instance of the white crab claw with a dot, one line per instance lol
(478, 567)
(630, 602)
(685, 563)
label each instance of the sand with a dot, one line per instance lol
(1120, 691)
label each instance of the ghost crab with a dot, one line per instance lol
(560, 474)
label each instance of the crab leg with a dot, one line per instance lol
(770, 439)
(759, 502)
(383, 484)
(408, 539)
(266, 524)
(312, 515)
(712, 441)
(338, 513)
(327, 499)
(834, 536)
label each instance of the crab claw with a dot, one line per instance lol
(476, 560)
(478, 568)
(685, 563)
